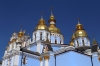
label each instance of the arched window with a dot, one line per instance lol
(83, 42)
(40, 35)
(35, 36)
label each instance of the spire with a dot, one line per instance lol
(94, 42)
(52, 18)
(41, 21)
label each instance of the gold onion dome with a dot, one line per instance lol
(52, 27)
(21, 33)
(80, 32)
(41, 25)
(71, 43)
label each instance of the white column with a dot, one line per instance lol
(46, 58)
(41, 62)
(46, 63)
(12, 60)
(16, 60)
(5, 64)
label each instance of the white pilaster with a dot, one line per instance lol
(41, 63)
(46, 62)
(5, 64)
(16, 60)
(46, 59)
(12, 60)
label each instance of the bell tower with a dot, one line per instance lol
(41, 33)
(81, 41)
(56, 36)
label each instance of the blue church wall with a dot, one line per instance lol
(32, 62)
(72, 58)
(55, 48)
(52, 61)
(33, 48)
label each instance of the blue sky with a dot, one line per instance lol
(14, 13)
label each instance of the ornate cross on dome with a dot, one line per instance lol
(51, 10)
(21, 28)
(42, 15)
(78, 20)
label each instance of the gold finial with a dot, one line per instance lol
(79, 26)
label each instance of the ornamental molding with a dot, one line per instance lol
(30, 55)
(64, 49)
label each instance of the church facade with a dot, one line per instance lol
(47, 48)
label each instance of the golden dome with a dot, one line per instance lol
(71, 43)
(41, 25)
(80, 32)
(20, 34)
(53, 29)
